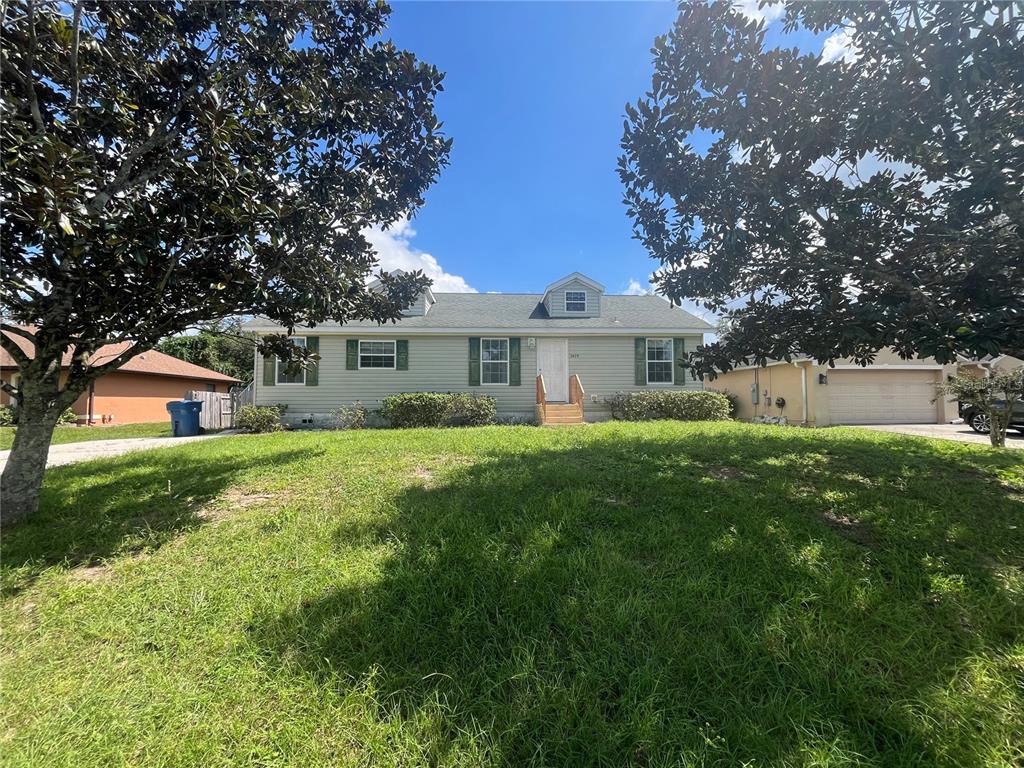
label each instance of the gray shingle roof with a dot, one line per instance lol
(525, 311)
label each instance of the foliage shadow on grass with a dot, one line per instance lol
(95, 510)
(634, 601)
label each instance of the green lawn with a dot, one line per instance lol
(72, 434)
(646, 595)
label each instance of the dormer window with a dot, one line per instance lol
(575, 301)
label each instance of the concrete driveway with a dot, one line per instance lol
(72, 453)
(959, 432)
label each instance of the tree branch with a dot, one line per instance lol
(75, 38)
(30, 88)
(160, 137)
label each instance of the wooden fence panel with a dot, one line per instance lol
(218, 409)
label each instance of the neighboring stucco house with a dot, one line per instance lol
(136, 392)
(986, 366)
(890, 391)
(582, 343)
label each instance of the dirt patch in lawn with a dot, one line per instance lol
(91, 573)
(725, 473)
(236, 500)
(850, 528)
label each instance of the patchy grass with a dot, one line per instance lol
(641, 594)
(74, 434)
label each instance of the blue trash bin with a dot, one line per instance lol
(184, 417)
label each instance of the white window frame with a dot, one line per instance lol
(394, 355)
(277, 368)
(567, 301)
(507, 361)
(671, 361)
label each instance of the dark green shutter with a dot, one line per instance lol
(640, 361)
(402, 355)
(678, 355)
(313, 368)
(351, 354)
(269, 370)
(474, 361)
(513, 362)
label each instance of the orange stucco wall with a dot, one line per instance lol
(135, 397)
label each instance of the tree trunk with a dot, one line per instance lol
(23, 475)
(997, 423)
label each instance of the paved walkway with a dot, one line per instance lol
(959, 432)
(72, 453)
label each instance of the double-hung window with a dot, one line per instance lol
(297, 375)
(377, 354)
(659, 361)
(494, 361)
(575, 301)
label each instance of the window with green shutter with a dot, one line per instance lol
(291, 373)
(474, 361)
(640, 361)
(678, 355)
(514, 362)
(313, 368)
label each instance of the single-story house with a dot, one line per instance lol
(889, 391)
(990, 364)
(136, 392)
(553, 356)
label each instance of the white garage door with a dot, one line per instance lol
(882, 397)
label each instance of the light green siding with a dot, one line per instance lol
(440, 364)
(436, 364)
(605, 366)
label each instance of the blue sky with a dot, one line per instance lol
(534, 95)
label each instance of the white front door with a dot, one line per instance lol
(553, 365)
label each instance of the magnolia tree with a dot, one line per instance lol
(834, 204)
(169, 164)
(996, 396)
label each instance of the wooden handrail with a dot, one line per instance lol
(542, 393)
(576, 391)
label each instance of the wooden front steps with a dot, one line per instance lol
(561, 413)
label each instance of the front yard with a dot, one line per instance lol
(645, 594)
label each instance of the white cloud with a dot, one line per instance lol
(634, 288)
(867, 166)
(768, 14)
(839, 45)
(396, 251)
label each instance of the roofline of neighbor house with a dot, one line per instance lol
(221, 377)
(397, 330)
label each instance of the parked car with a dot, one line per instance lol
(979, 422)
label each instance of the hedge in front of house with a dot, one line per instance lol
(669, 404)
(437, 409)
(260, 418)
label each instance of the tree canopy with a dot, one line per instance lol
(172, 163)
(219, 346)
(844, 204)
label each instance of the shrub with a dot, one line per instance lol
(436, 409)
(734, 401)
(68, 417)
(350, 416)
(669, 404)
(473, 411)
(260, 418)
(6, 416)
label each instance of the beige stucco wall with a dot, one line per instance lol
(772, 382)
(784, 380)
